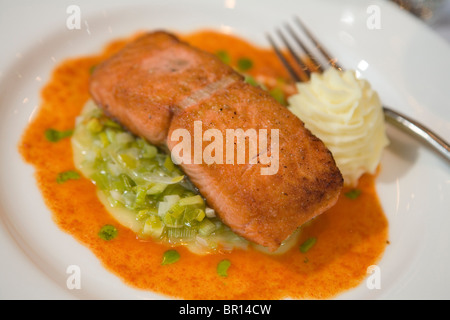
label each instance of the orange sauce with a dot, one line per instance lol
(350, 237)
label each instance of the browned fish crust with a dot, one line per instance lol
(158, 84)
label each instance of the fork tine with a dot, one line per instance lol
(331, 61)
(308, 62)
(283, 60)
(308, 53)
(291, 50)
(411, 126)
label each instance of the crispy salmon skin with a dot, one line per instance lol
(158, 84)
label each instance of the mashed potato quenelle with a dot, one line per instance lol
(346, 114)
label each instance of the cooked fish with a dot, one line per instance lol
(158, 84)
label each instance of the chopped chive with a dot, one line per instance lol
(222, 267)
(108, 232)
(250, 80)
(92, 68)
(67, 175)
(170, 256)
(308, 244)
(278, 95)
(244, 64)
(353, 194)
(224, 56)
(53, 135)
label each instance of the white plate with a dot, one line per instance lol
(406, 63)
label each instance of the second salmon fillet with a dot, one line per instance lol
(158, 84)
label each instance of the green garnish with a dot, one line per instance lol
(168, 164)
(244, 64)
(222, 267)
(92, 68)
(278, 95)
(224, 56)
(67, 175)
(108, 232)
(141, 180)
(170, 256)
(250, 80)
(53, 135)
(308, 244)
(353, 194)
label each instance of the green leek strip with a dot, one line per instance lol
(141, 194)
(173, 221)
(94, 126)
(143, 215)
(104, 139)
(197, 199)
(157, 188)
(170, 256)
(168, 164)
(190, 214)
(153, 227)
(171, 199)
(177, 179)
(308, 244)
(128, 183)
(148, 151)
(200, 214)
(100, 180)
(112, 124)
(127, 160)
(181, 233)
(206, 227)
(137, 176)
(176, 210)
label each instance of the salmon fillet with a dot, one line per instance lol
(158, 84)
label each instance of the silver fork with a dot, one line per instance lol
(305, 61)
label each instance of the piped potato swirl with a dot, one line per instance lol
(346, 114)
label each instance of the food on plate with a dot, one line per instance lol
(327, 255)
(143, 189)
(346, 114)
(158, 84)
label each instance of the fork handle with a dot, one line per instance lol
(419, 130)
